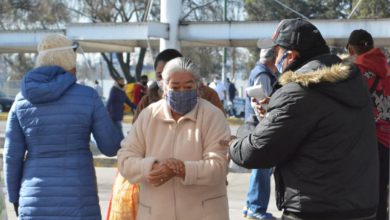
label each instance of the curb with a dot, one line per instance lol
(102, 161)
(3, 116)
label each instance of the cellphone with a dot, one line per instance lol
(256, 92)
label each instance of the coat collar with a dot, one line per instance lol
(331, 74)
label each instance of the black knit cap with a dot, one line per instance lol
(360, 37)
(297, 34)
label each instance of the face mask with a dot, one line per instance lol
(279, 66)
(182, 102)
(121, 85)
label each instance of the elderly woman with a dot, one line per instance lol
(48, 165)
(174, 151)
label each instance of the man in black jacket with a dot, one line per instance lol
(318, 132)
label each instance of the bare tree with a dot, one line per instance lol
(29, 15)
(117, 11)
(211, 59)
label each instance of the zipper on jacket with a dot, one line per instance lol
(173, 156)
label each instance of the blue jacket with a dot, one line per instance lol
(256, 72)
(48, 166)
(115, 103)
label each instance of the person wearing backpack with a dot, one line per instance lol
(372, 63)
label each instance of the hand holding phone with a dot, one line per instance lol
(256, 92)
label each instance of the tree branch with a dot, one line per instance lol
(111, 69)
(196, 8)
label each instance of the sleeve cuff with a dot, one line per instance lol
(191, 173)
(13, 198)
(232, 151)
(146, 165)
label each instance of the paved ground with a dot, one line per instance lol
(237, 188)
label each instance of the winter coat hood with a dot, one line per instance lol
(374, 61)
(46, 84)
(335, 80)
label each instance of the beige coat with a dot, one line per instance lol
(194, 139)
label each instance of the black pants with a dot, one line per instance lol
(383, 212)
(291, 216)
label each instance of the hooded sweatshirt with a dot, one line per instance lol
(373, 65)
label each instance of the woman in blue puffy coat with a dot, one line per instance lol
(48, 166)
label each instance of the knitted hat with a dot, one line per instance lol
(56, 50)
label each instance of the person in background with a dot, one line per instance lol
(182, 169)
(48, 166)
(318, 131)
(140, 89)
(264, 74)
(232, 91)
(115, 102)
(220, 88)
(372, 64)
(98, 89)
(154, 93)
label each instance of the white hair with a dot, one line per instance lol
(180, 64)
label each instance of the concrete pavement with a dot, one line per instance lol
(237, 188)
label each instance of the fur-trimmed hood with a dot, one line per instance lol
(328, 74)
(332, 74)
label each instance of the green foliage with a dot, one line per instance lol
(372, 9)
(265, 10)
(29, 15)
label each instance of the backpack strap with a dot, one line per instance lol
(375, 84)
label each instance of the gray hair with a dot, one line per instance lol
(267, 54)
(180, 64)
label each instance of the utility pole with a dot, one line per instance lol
(224, 55)
(170, 13)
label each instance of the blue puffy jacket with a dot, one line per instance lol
(48, 166)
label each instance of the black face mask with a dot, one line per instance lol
(120, 84)
(144, 83)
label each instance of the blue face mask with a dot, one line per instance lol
(279, 66)
(182, 102)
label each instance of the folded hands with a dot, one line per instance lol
(163, 171)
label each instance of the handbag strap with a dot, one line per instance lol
(375, 84)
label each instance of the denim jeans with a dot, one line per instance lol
(259, 190)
